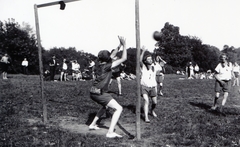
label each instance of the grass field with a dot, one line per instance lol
(184, 118)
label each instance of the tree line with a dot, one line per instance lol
(177, 50)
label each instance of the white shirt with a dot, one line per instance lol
(148, 77)
(75, 66)
(224, 73)
(4, 59)
(92, 64)
(64, 66)
(158, 69)
(236, 68)
(24, 63)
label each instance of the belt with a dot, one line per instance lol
(149, 87)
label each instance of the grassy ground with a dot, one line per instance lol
(184, 118)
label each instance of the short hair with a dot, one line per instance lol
(104, 56)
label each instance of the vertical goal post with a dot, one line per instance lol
(62, 7)
(137, 28)
(138, 102)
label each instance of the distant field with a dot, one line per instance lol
(184, 118)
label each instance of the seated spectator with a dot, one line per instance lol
(76, 73)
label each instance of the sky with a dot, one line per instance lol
(93, 25)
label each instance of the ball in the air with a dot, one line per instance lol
(156, 35)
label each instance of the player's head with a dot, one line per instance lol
(223, 57)
(104, 56)
(147, 59)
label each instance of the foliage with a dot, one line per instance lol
(131, 61)
(18, 42)
(177, 50)
(70, 54)
(231, 53)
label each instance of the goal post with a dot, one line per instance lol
(138, 102)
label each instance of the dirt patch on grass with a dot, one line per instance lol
(71, 124)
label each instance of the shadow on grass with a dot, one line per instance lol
(207, 108)
(91, 117)
(200, 105)
(130, 136)
(132, 108)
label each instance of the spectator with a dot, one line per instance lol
(189, 71)
(46, 75)
(63, 75)
(25, 66)
(76, 73)
(91, 68)
(53, 64)
(5, 60)
(196, 70)
(236, 71)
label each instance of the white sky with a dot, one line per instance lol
(93, 25)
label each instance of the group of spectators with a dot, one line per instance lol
(64, 69)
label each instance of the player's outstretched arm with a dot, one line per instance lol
(124, 54)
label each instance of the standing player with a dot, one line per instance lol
(148, 83)
(116, 74)
(159, 74)
(223, 75)
(100, 86)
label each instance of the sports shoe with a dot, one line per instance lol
(113, 135)
(147, 120)
(154, 114)
(93, 128)
(213, 107)
(160, 93)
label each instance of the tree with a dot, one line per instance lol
(173, 47)
(231, 53)
(70, 54)
(18, 42)
(178, 50)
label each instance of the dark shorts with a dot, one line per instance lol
(222, 87)
(159, 78)
(102, 99)
(4, 67)
(236, 74)
(64, 70)
(115, 75)
(150, 91)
